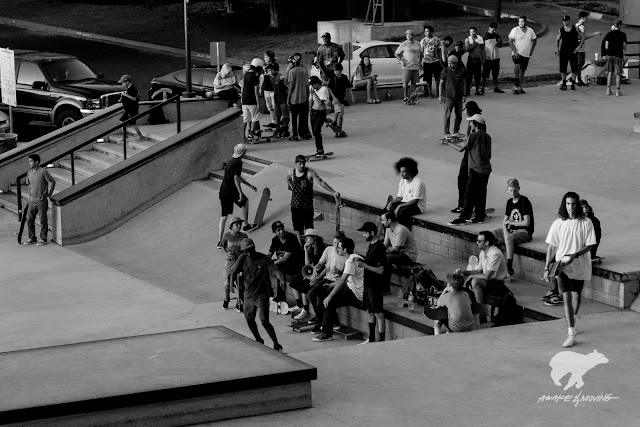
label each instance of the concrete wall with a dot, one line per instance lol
(347, 30)
(110, 198)
(190, 109)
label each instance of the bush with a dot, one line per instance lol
(593, 6)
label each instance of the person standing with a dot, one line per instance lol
(231, 247)
(410, 54)
(615, 43)
(329, 55)
(569, 41)
(298, 98)
(41, 186)
(522, 40)
(267, 89)
(582, 51)
(432, 64)
(474, 45)
(339, 85)
(453, 86)
(259, 273)
(492, 45)
(231, 191)
(250, 96)
(412, 192)
(130, 99)
(569, 241)
(318, 102)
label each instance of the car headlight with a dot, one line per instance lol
(94, 104)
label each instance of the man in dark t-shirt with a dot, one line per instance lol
(452, 89)
(250, 94)
(373, 265)
(338, 86)
(231, 191)
(289, 255)
(130, 100)
(518, 223)
(569, 41)
(615, 43)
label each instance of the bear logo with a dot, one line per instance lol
(576, 364)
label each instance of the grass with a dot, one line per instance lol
(246, 32)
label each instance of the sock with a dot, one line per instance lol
(510, 263)
(305, 307)
(299, 302)
(372, 332)
(517, 82)
(572, 331)
(381, 336)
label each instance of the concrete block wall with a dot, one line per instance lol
(357, 319)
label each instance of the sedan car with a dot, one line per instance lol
(382, 55)
(201, 81)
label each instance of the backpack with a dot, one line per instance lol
(509, 312)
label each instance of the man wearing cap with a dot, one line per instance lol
(569, 41)
(328, 56)
(314, 247)
(130, 100)
(318, 101)
(289, 256)
(474, 45)
(373, 265)
(453, 87)
(615, 43)
(479, 148)
(231, 191)
(300, 182)
(298, 98)
(259, 273)
(410, 54)
(522, 40)
(250, 96)
(231, 247)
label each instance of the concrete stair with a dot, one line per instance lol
(250, 166)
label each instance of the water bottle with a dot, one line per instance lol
(400, 299)
(411, 306)
(388, 95)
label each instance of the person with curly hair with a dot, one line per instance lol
(412, 192)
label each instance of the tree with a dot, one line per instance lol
(277, 16)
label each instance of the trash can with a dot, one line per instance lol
(8, 141)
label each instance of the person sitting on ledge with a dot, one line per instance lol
(453, 312)
(412, 192)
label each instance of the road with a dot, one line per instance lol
(112, 61)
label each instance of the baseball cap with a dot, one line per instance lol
(257, 62)
(566, 18)
(617, 22)
(409, 32)
(239, 150)
(296, 57)
(301, 158)
(327, 35)
(246, 243)
(276, 225)
(234, 220)
(368, 227)
(311, 232)
(452, 58)
(477, 117)
(124, 78)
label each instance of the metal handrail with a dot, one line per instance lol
(122, 125)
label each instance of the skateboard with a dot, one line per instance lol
(338, 207)
(278, 307)
(282, 131)
(412, 100)
(302, 326)
(348, 332)
(313, 157)
(335, 128)
(452, 140)
(258, 221)
(23, 220)
(598, 259)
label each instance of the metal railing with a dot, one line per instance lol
(72, 151)
(632, 54)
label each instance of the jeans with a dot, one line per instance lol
(344, 296)
(451, 104)
(476, 195)
(317, 121)
(406, 213)
(474, 72)
(33, 208)
(300, 119)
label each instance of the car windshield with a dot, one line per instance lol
(68, 70)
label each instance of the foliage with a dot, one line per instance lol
(593, 6)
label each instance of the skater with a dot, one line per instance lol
(522, 40)
(409, 53)
(41, 186)
(569, 41)
(453, 87)
(492, 45)
(250, 96)
(298, 98)
(339, 85)
(615, 43)
(259, 273)
(130, 99)
(474, 45)
(582, 52)
(318, 101)
(231, 247)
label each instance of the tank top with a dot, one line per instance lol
(301, 191)
(570, 39)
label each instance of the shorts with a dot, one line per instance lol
(300, 284)
(570, 58)
(302, 218)
(431, 69)
(410, 76)
(269, 99)
(127, 115)
(565, 284)
(491, 66)
(338, 108)
(522, 61)
(614, 65)
(227, 201)
(372, 299)
(251, 307)
(250, 113)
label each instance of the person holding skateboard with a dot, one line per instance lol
(231, 191)
(412, 192)
(41, 186)
(318, 102)
(300, 182)
(339, 85)
(259, 273)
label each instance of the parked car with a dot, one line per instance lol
(58, 88)
(382, 55)
(201, 81)
(4, 122)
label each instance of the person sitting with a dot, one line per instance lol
(365, 77)
(454, 310)
(412, 193)
(588, 211)
(314, 247)
(491, 269)
(224, 85)
(401, 247)
(289, 257)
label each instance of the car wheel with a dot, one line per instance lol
(67, 117)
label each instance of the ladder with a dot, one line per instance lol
(373, 7)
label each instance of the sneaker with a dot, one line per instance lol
(554, 300)
(29, 242)
(405, 99)
(522, 91)
(41, 243)
(618, 92)
(239, 308)
(278, 347)
(475, 220)
(271, 125)
(366, 342)
(563, 86)
(497, 90)
(457, 221)
(320, 153)
(337, 327)
(581, 83)
(548, 295)
(322, 338)
(609, 91)
(570, 341)
(573, 86)
(219, 244)
(304, 315)
(457, 135)
(448, 136)
(225, 304)
(516, 91)
(456, 210)
(312, 320)
(316, 329)
(294, 138)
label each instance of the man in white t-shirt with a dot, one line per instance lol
(318, 103)
(522, 40)
(341, 295)
(569, 241)
(492, 267)
(412, 192)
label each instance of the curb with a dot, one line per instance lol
(592, 15)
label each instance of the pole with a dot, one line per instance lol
(10, 119)
(498, 10)
(187, 51)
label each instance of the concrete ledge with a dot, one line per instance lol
(172, 378)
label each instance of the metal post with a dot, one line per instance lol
(73, 171)
(498, 11)
(19, 191)
(124, 141)
(187, 51)
(178, 126)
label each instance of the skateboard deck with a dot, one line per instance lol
(598, 259)
(414, 96)
(335, 128)
(258, 221)
(278, 307)
(258, 139)
(454, 140)
(338, 207)
(348, 332)
(312, 157)
(302, 326)
(23, 220)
